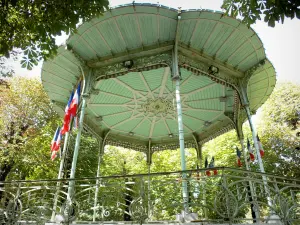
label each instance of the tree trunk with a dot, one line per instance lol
(4, 171)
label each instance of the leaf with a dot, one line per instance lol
(271, 22)
(298, 13)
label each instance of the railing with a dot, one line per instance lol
(227, 196)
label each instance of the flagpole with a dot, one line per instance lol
(254, 133)
(76, 150)
(60, 174)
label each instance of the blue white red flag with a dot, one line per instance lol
(53, 155)
(252, 157)
(238, 154)
(57, 145)
(67, 117)
(75, 101)
(54, 140)
(261, 149)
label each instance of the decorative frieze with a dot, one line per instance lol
(199, 68)
(140, 64)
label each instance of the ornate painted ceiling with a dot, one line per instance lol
(137, 104)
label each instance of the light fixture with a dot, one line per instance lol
(99, 118)
(131, 133)
(207, 123)
(213, 70)
(128, 64)
(170, 135)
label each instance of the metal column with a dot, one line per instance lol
(182, 150)
(254, 134)
(176, 78)
(97, 181)
(149, 161)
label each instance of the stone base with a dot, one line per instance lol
(161, 223)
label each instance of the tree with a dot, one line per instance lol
(272, 10)
(23, 112)
(280, 130)
(32, 25)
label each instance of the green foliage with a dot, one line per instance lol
(24, 118)
(33, 160)
(32, 25)
(88, 155)
(280, 130)
(251, 10)
(169, 160)
(120, 161)
(283, 106)
(223, 149)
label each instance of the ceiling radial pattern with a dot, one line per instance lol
(143, 104)
(138, 104)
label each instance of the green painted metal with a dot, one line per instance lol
(120, 103)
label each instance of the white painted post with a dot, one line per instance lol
(182, 150)
(76, 150)
(176, 77)
(97, 181)
(60, 174)
(254, 134)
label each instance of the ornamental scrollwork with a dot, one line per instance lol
(226, 204)
(139, 210)
(126, 144)
(172, 146)
(139, 65)
(200, 68)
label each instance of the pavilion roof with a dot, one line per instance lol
(137, 105)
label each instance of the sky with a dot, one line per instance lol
(281, 43)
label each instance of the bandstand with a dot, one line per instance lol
(156, 78)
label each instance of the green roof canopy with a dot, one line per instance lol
(137, 105)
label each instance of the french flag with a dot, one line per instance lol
(57, 145)
(54, 140)
(252, 157)
(75, 101)
(53, 155)
(67, 117)
(238, 154)
(261, 149)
